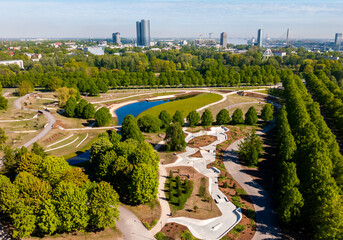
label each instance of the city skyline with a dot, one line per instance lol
(173, 18)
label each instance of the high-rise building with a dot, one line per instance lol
(223, 39)
(259, 37)
(338, 40)
(116, 38)
(143, 33)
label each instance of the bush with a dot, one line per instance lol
(161, 236)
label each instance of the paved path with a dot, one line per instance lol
(217, 227)
(47, 127)
(131, 226)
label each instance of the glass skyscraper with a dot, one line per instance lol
(143, 33)
(259, 37)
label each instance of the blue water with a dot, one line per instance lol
(135, 109)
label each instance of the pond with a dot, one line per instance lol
(136, 108)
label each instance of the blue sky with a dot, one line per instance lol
(170, 18)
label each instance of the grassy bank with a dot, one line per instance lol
(185, 105)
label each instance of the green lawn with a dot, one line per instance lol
(185, 105)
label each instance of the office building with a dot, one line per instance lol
(259, 37)
(116, 38)
(338, 40)
(143, 33)
(223, 39)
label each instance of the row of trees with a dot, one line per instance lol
(329, 95)
(310, 166)
(48, 196)
(83, 109)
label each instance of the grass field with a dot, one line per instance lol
(185, 105)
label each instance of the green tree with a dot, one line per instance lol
(9, 195)
(250, 149)
(207, 118)
(251, 116)
(178, 117)
(130, 129)
(47, 218)
(38, 150)
(144, 184)
(70, 107)
(88, 111)
(114, 137)
(102, 117)
(71, 202)
(291, 200)
(3, 137)
(149, 123)
(193, 118)
(223, 117)
(103, 206)
(175, 138)
(3, 103)
(237, 116)
(25, 87)
(80, 107)
(165, 117)
(24, 220)
(267, 112)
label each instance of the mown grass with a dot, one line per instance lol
(185, 105)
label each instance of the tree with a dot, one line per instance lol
(3, 138)
(38, 150)
(250, 149)
(251, 116)
(144, 184)
(103, 206)
(88, 111)
(178, 117)
(64, 93)
(3, 103)
(207, 118)
(102, 117)
(24, 220)
(193, 118)
(237, 116)
(70, 107)
(267, 112)
(149, 123)
(223, 117)
(47, 219)
(175, 137)
(25, 87)
(130, 129)
(80, 107)
(165, 118)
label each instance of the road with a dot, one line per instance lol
(131, 226)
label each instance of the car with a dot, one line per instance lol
(226, 200)
(218, 196)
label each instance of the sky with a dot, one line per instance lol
(170, 18)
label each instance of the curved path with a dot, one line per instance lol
(131, 227)
(47, 127)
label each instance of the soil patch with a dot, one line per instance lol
(206, 205)
(147, 213)
(173, 230)
(58, 123)
(53, 137)
(196, 155)
(202, 141)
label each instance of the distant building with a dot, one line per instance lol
(143, 33)
(259, 37)
(210, 41)
(95, 50)
(20, 63)
(116, 38)
(338, 40)
(223, 39)
(279, 54)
